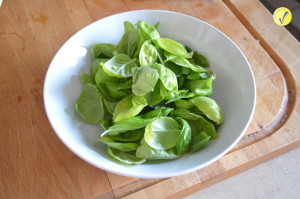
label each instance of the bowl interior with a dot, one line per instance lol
(234, 89)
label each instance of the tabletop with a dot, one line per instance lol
(36, 164)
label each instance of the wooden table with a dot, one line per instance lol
(36, 164)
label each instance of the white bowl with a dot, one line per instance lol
(234, 90)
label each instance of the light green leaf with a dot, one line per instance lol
(89, 105)
(116, 145)
(200, 87)
(124, 157)
(197, 122)
(157, 95)
(184, 104)
(101, 50)
(129, 107)
(199, 141)
(167, 77)
(162, 133)
(172, 47)
(129, 41)
(130, 136)
(127, 125)
(183, 62)
(185, 136)
(85, 78)
(148, 54)
(119, 66)
(209, 107)
(147, 152)
(148, 31)
(144, 80)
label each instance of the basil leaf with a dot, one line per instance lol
(127, 125)
(129, 107)
(116, 145)
(148, 31)
(89, 105)
(185, 136)
(144, 80)
(149, 153)
(200, 59)
(201, 75)
(209, 107)
(129, 41)
(85, 78)
(172, 47)
(130, 136)
(148, 54)
(124, 157)
(162, 133)
(95, 67)
(101, 50)
(183, 62)
(119, 66)
(110, 106)
(158, 94)
(140, 42)
(167, 77)
(199, 141)
(184, 104)
(197, 122)
(200, 87)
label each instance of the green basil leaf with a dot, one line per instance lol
(167, 77)
(200, 87)
(130, 136)
(110, 106)
(149, 153)
(173, 47)
(184, 63)
(208, 107)
(162, 133)
(119, 66)
(201, 75)
(197, 122)
(158, 94)
(89, 105)
(124, 157)
(129, 107)
(199, 141)
(95, 67)
(148, 54)
(148, 31)
(85, 78)
(129, 41)
(129, 124)
(200, 59)
(101, 50)
(184, 104)
(117, 145)
(144, 80)
(185, 136)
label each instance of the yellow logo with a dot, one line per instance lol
(282, 16)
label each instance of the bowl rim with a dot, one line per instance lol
(152, 175)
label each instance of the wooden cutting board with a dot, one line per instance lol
(35, 163)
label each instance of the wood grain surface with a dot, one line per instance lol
(36, 164)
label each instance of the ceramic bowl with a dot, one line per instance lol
(234, 90)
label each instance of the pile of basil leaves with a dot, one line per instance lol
(150, 95)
